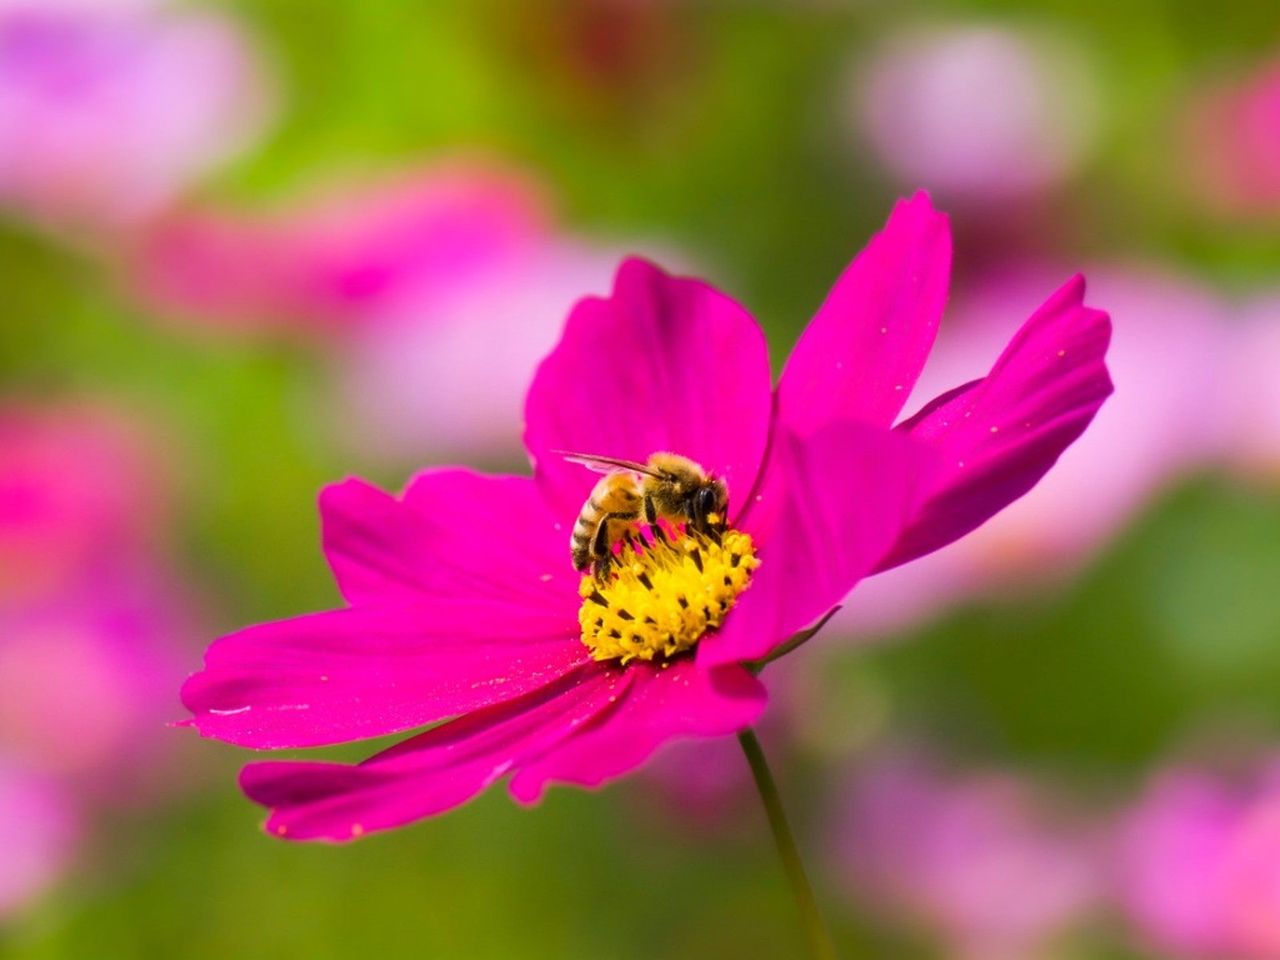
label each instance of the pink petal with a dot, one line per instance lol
(364, 672)
(831, 504)
(678, 699)
(434, 771)
(999, 435)
(665, 364)
(862, 352)
(453, 533)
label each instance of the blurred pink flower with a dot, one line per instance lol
(982, 863)
(1253, 880)
(79, 492)
(978, 112)
(443, 287)
(90, 629)
(1232, 142)
(1200, 865)
(38, 835)
(1251, 384)
(344, 255)
(110, 109)
(86, 683)
(1170, 341)
(445, 369)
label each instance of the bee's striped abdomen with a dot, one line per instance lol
(615, 500)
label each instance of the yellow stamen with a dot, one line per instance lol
(658, 600)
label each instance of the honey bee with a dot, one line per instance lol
(667, 487)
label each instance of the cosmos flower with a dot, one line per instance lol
(1200, 864)
(982, 862)
(462, 601)
(110, 109)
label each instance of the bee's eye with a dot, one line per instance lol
(704, 502)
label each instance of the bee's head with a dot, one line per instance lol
(710, 498)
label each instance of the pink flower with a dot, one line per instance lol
(977, 112)
(1171, 340)
(1200, 865)
(78, 492)
(462, 599)
(347, 257)
(38, 833)
(86, 681)
(89, 625)
(981, 862)
(109, 110)
(1233, 145)
(90, 630)
(1251, 384)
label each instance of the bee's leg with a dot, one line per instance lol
(602, 546)
(651, 518)
(709, 529)
(602, 542)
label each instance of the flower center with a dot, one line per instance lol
(659, 597)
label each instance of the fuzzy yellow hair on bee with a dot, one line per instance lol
(667, 487)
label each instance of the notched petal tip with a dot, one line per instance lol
(635, 267)
(864, 349)
(921, 203)
(337, 495)
(999, 435)
(526, 791)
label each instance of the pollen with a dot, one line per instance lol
(660, 596)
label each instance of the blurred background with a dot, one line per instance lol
(248, 248)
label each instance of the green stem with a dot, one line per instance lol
(820, 944)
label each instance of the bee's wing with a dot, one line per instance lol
(606, 464)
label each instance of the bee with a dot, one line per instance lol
(667, 487)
